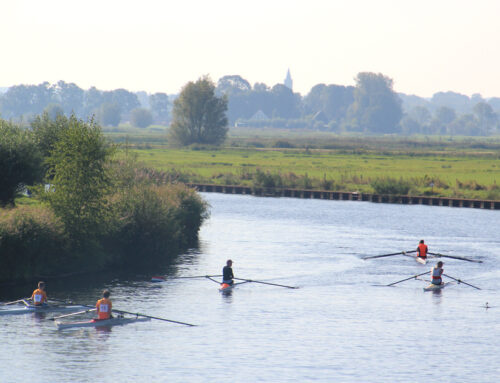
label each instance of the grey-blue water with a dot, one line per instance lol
(338, 327)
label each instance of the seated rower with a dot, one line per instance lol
(104, 306)
(436, 273)
(39, 296)
(422, 250)
(227, 273)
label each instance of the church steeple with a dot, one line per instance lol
(288, 80)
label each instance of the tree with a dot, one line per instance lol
(53, 110)
(22, 100)
(487, 119)
(110, 114)
(92, 101)
(376, 107)
(232, 84)
(46, 131)
(286, 103)
(443, 117)
(69, 96)
(141, 117)
(333, 100)
(199, 116)
(79, 179)
(20, 161)
(124, 99)
(421, 115)
(160, 106)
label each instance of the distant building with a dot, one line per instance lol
(288, 80)
(259, 116)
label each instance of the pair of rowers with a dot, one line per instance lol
(103, 305)
(436, 271)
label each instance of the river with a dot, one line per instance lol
(340, 325)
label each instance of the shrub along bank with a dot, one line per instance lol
(97, 214)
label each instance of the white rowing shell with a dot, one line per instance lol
(433, 287)
(118, 321)
(41, 309)
(421, 260)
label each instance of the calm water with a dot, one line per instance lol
(338, 327)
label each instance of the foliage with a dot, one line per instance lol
(20, 161)
(160, 107)
(79, 179)
(110, 114)
(376, 107)
(32, 243)
(53, 111)
(46, 131)
(152, 216)
(199, 116)
(389, 185)
(141, 117)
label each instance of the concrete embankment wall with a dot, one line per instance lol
(348, 196)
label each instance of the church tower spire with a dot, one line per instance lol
(288, 80)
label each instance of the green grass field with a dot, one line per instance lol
(458, 167)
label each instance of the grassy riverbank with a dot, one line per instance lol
(439, 166)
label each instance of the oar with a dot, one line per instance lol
(266, 283)
(389, 255)
(407, 279)
(192, 276)
(136, 314)
(14, 302)
(69, 315)
(199, 276)
(152, 317)
(455, 257)
(460, 281)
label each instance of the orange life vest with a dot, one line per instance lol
(39, 297)
(422, 250)
(103, 307)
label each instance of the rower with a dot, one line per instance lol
(39, 296)
(104, 306)
(422, 250)
(227, 273)
(436, 273)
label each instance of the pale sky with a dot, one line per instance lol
(425, 46)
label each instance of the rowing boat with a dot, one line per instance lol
(421, 260)
(225, 287)
(433, 287)
(117, 321)
(157, 279)
(40, 309)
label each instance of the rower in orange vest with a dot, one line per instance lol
(39, 296)
(422, 250)
(104, 306)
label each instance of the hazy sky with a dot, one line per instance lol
(425, 46)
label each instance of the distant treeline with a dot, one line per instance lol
(371, 107)
(110, 108)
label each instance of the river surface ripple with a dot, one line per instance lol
(339, 326)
